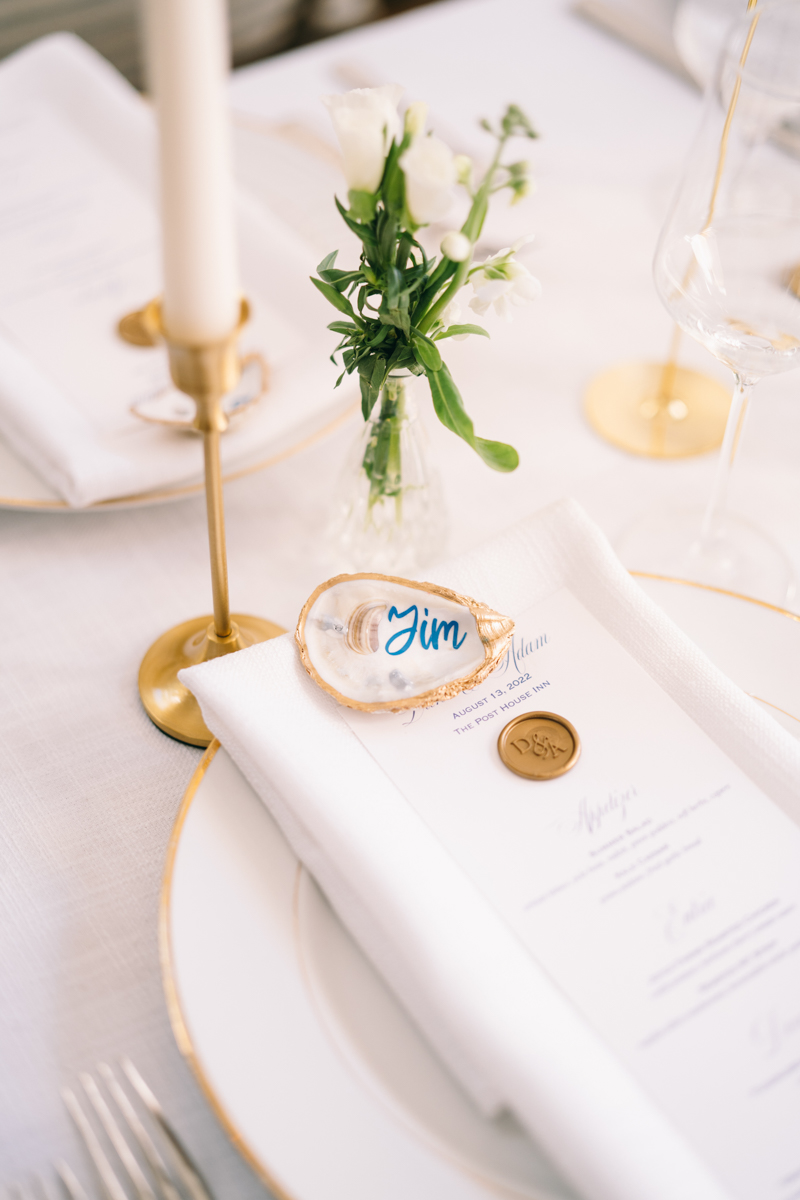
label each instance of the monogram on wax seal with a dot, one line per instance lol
(383, 644)
(539, 745)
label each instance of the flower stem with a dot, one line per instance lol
(382, 461)
(441, 304)
(471, 228)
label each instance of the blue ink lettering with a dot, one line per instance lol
(445, 628)
(410, 632)
(428, 639)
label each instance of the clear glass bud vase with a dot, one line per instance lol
(388, 514)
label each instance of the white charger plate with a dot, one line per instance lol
(62, 75)
(22, 489)
(317, 1074)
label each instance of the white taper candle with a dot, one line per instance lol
(187, 50)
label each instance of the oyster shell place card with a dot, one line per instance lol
(383, 644)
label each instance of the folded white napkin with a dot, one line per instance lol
(80, 244)
(492, 1013)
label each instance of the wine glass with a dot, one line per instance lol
(727, 268)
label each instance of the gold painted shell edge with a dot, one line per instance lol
(494, 646)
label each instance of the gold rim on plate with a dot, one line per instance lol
(174, 1010)
(176, 1018)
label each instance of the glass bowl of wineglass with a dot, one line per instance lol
(727, 268)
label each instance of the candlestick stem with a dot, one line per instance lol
(216, 534)
(206, 372)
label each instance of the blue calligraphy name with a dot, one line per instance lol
(429, 639)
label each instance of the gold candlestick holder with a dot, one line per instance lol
(206, 372)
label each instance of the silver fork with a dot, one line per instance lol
(21, 1191)
(188, 1174)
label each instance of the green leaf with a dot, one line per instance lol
(341, 279)
(378, 373)
(379, 337)
(393, 184)
(456, 331)
(497, 455)
(362, 205)
(327, 262)
(343, 327)
(333, 297)
(449, 408)
(448, 405)
(394, 285)
(364, 232)
(425, 351)
(373, 375)
(367, 397)
(396, 316)
(386, 229)
(404, 244)
(400, 357)
(445, 270)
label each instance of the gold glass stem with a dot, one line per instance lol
(726, 129)
(216, 534)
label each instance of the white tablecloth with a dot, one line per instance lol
(89, 788)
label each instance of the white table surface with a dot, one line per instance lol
(88, 787)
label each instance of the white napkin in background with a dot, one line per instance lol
(450, 958)
(80, 243)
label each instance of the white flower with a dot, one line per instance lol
(366, 121)
(501, 282)
(456, 246)
(416, 116)
(429, 168)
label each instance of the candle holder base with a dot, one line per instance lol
(168, 703)
(627, 405)
(137, 329)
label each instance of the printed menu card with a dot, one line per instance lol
(655, 882)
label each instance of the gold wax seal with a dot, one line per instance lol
(539, 745)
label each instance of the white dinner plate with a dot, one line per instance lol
(315, 1071)
(61, 80)
(22, 489)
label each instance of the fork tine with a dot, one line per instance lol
(108, 1179)
(154, 1159)
(72, 1185)
(44, 1187)
(137, 1178)
(190, 1174)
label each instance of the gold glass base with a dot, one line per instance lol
(169, 704)
(630, 406)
